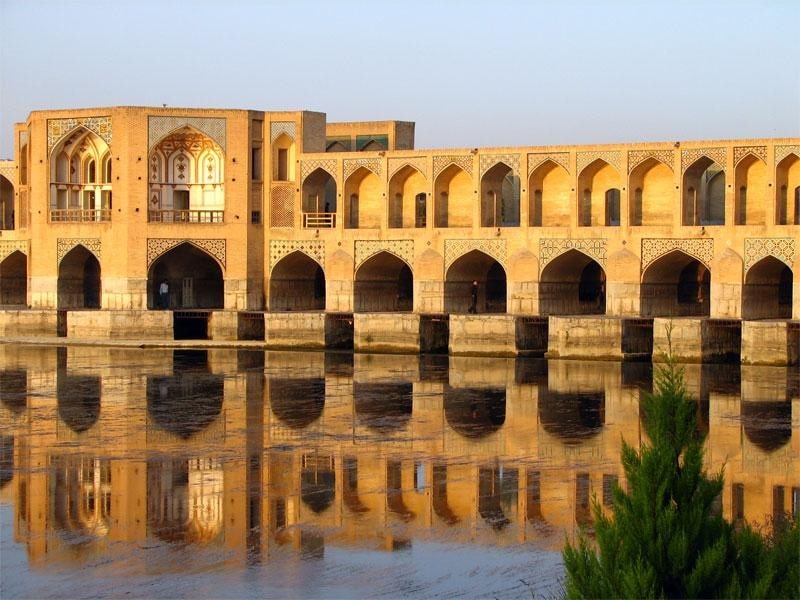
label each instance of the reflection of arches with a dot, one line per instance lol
(767, 290)
(572, 417)
(14, 279)
(297, 282)
(78, 398)
(317, 482)
(651, 200)
(194, 278)
(491, 278)
(596, 206)
(14, 389)
(394, 491)
(350, 485)
(767, 424)
(549, 196)
(787, 190)
(6, 460)
(440, 504)
(297, 403)
(81, 496)
(453, 198)
(383, 407)
(675, 284)
(500, 197)
(704, 193)
(572, 284)
(475, 412)
(407, 198)
(79, 279)
(383, 283)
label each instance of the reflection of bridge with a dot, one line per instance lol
(246, 213)
(235, 449)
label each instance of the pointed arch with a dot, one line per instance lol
(79, 279)
(193, 276)
(704, 193)
(787, 190)
(750, 187)
(297, 282)
(283, 158)
(767, 290)
(7, 213)
(407, 200)
(500, 196)
(383, 283)
(78, 190)
(319, 199)
(675, 284)
(475, 282)
(453, 197)
(598, 187)
(573, 283)
(14, 279)
(549, 196)
(362, 192)
(651, 193)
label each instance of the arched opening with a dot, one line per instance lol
(317, 482)
(652, 200)
(597, 206)
(383, 283)
(363, 189)
(453, 198)
(187, 179)
(394, 491)
(675, 285)
(383, 407)
(767, 290)
(787, 186)
(750, 181)
(768, 425)
(79, 280)
(193, 278)
(80, 498)
(297, 282)
(572, 284)
(6, 204)
(461, 294)
(283, 158)
(549, 196)
(297, 403)
(78, 398)
(407, 198)
(573, 418)
(14, 280)
(475, 413)
(500, 197)
(319, 200)
(704, 193)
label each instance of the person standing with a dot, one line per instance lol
(473, 307)
(163, 294)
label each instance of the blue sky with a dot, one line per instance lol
(484, 73)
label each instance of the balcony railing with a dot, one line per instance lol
(185, 216)
(80, 215)
(319, 220)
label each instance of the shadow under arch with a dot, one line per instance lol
(492, 285)
(676, 284)
(14, 280)
(317, 482)
(572, 417)
(767, 290)
(297, 282)
(475, 412)
(383, 283)
(193, 276)
(297, 403)
(572, 284)
(79, 280)
(383, 407)
(767, 424)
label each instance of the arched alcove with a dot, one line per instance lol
(500, 197)
(319, 200)
(297, 282)
(787, 191)
(549, 196)
(79, 282)
(14, 280)
(193, 277)
(407, 198)
(652, 193)
(317, 482)
(498, 489)
(572, 284)
(750, 185)
(7, 214)
(383, 283)
(599, 184)
(704, 193)
(675, 284)
(490, 276)
(362, 192)
(453, 198)
(767, 290)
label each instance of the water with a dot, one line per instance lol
(224, 473)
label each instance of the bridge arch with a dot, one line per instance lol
(767, 290)
(675, 284)
(79, 281)
(572, 284)
(14, 280)
(383, 283)
(297, 282)
(194, 279)
(475, 266)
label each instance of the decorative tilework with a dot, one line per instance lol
(279, 249)
(551, 248)
(64, 245)
(57, 129)
(276, 128)
(309, 166)
(637, 157)
(741, 151)
(690, 156)
(755, 249)
(403, 249)
(281, 206)
(454, 249)
(654, 248)
(8, 247)
(560, 158)
(372, 164)
(487, 161)
(612, 157)
(213, 127)
(418, 162)
(782, 152)
(440, 163)
(9, 172)
(158, 246)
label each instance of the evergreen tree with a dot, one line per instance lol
(665, 537)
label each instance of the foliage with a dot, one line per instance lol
(666, 537)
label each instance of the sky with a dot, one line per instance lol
(469, 73)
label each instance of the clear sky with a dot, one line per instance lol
(470, 73)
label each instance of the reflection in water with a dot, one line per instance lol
(440, 505)
(14, 389)
(297, 402)
(78, 400)
(475, 412)
(767, 424)
(317, 482)
(81, 497)
(350, 487)
(394, 491)
(572, 417)
(6, 460)
(497, 494)
(383, 407)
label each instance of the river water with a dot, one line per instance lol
(224, 473)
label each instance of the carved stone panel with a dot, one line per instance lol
(309, 166)
(455, 249)
(58, 128)
(782, 152)
(550, 248)
(612, 157)
(755, 249)
(158, 246)
(279, 249)
(366, 248)
(440, 163)
(64, 245)
(655, 248)
(372, 164)
(8, 247)
(741, 151)
(560, 158)
(213, 127)
(418, 162)
(690, 155)
(487, 161)
(637, 157)
(276, 128)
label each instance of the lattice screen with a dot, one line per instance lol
(23, 209)
(281, 201)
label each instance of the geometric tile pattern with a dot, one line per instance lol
(403, 249)
(280, 206)
(757, 248)
(276, 128)
(637, 157)
(309, 166)
(314, 249)
(487, 161)
(654, 248)
(158, 127)
(58, 128)
(454, 249)
(690, 155)
(372, 164)
(550, 248)
(560, 158)
(612, 157)
(64, 245)
(419, 163)
(741, 151)
(782, 152)
(440, 163)
(158, 246)
(8, 247)
(9, 171)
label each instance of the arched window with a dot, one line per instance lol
(420, 210)
(636, 216)
(91, 171)
(352, 217)
(797, 205)
(741, 213)
(107, 169)
(536, 217)
(586, 208)
(780, 213)
(612, 207)
(396, 211)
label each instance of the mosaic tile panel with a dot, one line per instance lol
(637, 157)
(455, 249)
(487, 161)
(612, 157)
(551, 248)
(560, 158)
(352, 165)
(366, 248)
(420, 163)
(782, 152)
(740, 152)
(690, 155)
(8, 247)
(276, 128)
(281, 203)
(755, 249)
(64, 245)
(440, 163)
(158, 246)
(279, 249)
(655, 248)
(58, 128)
(309, 166)
(213, 127)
